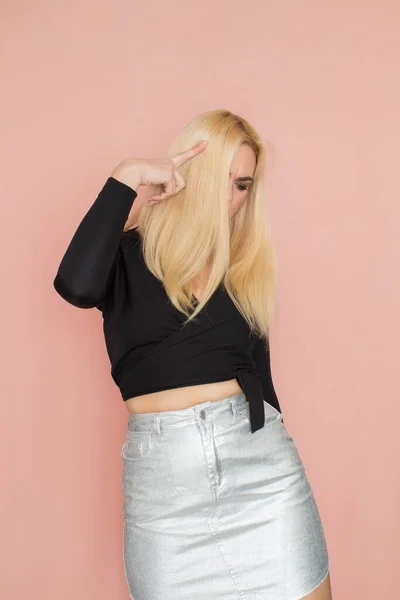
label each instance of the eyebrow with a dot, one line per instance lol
(242, 178)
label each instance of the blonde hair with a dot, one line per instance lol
(182, 234)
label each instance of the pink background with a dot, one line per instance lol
(86, 84)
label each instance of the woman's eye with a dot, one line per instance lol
(242, 187)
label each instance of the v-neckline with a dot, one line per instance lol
(196, 300)
(195, 297)
(219, 289)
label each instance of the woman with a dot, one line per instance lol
(217, 503)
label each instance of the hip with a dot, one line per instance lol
(209, 445)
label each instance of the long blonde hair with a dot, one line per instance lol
(185, 232)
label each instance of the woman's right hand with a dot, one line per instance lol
(140, 171)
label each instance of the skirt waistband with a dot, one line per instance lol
(180, 417)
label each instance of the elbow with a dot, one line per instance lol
(75, 295)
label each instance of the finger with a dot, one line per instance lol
(170, 187)
(182, 157)
(179, 185)
(180, 181)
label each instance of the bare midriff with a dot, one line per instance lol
(183, 397)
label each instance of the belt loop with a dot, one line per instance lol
(157, 424)
(233, 403)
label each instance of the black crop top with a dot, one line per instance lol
(149, 351)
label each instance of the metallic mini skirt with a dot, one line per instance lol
(213, 511)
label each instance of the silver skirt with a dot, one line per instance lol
(212, 510)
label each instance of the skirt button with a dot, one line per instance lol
(202, 414)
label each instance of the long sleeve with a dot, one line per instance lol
(261, 355)
(89, 262)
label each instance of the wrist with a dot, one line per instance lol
(128, 172)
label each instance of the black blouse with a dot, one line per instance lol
(149, 348)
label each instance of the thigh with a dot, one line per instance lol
(322, 592)
(169, 549)
(266, 516)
